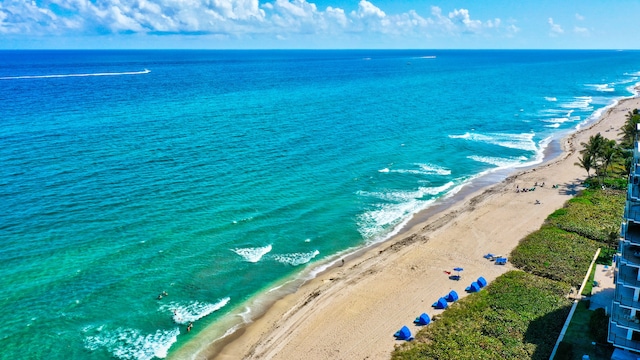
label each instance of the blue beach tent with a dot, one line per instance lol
(451, 296)
(474, 287)
(440, 304)
(403, 334)
(423, 319)
(482, 282)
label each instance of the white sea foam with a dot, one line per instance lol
(296, 259)
(423, 169)
(246, 315)
(434, 169)
(407, 196)
(145, 71)
(385, 170)
(522, 141)
(132, 343)
(579, 102)
(184, 314)
(550, 98)
(253, 255)
(502, 163)
(428, 57)
(556, 125)
(601, 87)
(385, 216)
(557, 120)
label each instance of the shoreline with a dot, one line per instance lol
(352, 310)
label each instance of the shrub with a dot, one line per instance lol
(555, 254)
(516, 316)
(594, 214)
(599, 325)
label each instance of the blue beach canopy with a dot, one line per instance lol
(423, 319)
(403, 334)
(474, 287)
(458, 269)
(482, 282)
(501, 261)
(451, 296)
(440, 304)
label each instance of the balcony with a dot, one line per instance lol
(630, 254)
(631, 230)
(618, 337)
(633, 189)
(624, 297)
(627, 276)
(622, 318)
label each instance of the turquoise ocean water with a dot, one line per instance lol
(214, 176)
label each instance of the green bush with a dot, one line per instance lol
(516, 316)
(599, 325)
(555, 254)
(594, 214)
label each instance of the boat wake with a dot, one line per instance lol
(145, 71)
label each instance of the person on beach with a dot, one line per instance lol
(189, 327)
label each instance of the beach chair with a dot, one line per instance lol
(403, 334)
(501, 261)
(440, 304)
(451, 296)
(474, 287)
(423, 319)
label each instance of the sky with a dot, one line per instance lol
(320, 24)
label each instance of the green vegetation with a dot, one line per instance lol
(518, 316)
(610, 161)
(598, 324)
(555, 254)
(579, 336)
(578, 216)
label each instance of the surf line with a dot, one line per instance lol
(145, 71)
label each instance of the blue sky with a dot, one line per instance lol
(321, 24)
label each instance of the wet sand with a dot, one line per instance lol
(351, 311)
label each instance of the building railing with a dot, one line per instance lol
(632, 213)
(627, 276)
(622, 317)
(622, 341)
(625, 300)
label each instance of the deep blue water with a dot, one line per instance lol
(215, 175)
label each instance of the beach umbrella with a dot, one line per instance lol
(458, 269)
(451, 296)
(423, 319)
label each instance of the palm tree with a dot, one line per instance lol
(629, 130)
(608, 151)
(585, 162)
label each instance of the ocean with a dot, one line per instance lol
(146, 190)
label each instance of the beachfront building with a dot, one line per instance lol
(624, 326)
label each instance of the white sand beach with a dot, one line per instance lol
(352, 311)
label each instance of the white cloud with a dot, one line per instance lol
(462, 16)
(581, 31)
(367, 9)
(275, 19)
(554, 29)
(579, 17)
